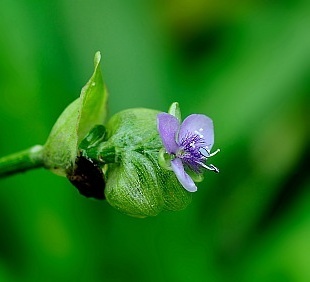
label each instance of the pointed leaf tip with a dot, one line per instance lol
(97, 58)
(94, 101)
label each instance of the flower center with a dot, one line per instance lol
(194, 152)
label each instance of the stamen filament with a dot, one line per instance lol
(206, 153)
(209, 167)
(214, 153)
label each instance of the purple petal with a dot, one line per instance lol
(200, 125)
(168, 126)
(182, 176)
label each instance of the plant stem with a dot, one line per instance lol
(21, 161)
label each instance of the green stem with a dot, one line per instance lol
(21, 161)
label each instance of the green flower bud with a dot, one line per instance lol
(135, 183)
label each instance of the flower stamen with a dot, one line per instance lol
(209, 167)
(206, 153)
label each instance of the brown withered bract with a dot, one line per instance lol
(88, 178)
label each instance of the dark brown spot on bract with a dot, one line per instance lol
(88, 178)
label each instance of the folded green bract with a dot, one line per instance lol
(136, 184)
(61, 148)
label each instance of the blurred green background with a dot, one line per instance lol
(246, 64)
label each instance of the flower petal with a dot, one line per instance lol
(200, 125)
(168, 126)
(183, 177)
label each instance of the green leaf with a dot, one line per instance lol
(61, 148)
(94, 102)
(93, 138)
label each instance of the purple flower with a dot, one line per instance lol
(189, 145)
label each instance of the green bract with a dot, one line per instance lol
(61, 148)
(136, 184)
